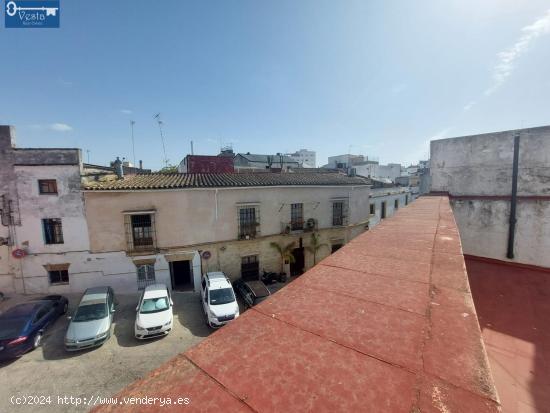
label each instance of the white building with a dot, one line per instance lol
(306, 158)
(58, 236)
(384, 202)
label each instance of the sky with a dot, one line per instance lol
(378, 78)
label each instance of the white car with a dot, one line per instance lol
(218, 299)
(154, 316)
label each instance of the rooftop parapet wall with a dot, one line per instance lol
(385, 324)
(482, 164)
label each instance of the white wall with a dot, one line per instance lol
(389, 196)
(477, 169)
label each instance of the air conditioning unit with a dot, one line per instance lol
(311, 224)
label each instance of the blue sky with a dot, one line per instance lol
(380, 78)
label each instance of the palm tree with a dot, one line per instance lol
(315, 246)
(285, 252)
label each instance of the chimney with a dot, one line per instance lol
(140, 164)
(117, 164)
(7, 137)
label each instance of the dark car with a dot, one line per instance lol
(252, 292)
(22, 326)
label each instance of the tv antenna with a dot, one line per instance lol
(160, 123)
(132, 123)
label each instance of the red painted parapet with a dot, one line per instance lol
(385, 324)
(209, 164)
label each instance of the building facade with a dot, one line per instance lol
(384, 202)
(254, 162)
(229, 224)
(306, 158)
(478, 173)
(206, 164)
(65, 228)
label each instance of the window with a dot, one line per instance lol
(372, 209)
(383, 212)
(250, 267)
(406, 200)
(396, 204)
(248, 222)
(296, 217)
(338, 213)
(53, 232)
(145, 275)
(140, 231)
(58, 276)
(47, 187)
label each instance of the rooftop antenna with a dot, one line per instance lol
(160, 123)
(192, 148)
(132, 122)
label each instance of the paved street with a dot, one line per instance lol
(51, 371)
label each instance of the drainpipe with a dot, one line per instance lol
(514, 200)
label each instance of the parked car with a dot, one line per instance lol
(218, 299)
(22, 326)
(252, 292)
(154, 312)
(90, 325)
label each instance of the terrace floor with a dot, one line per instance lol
(385, 324)
(513, 308)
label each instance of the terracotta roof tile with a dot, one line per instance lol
(199, 180)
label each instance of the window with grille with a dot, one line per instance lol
(372, 209)
(249, 222)
(145, 275)
(396, 204)
(338, 213)
(250, 267)
(59, 276)
(53, 231)
(140, 231)
(47, 186)
(296, 217)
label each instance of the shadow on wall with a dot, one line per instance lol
(513, 307)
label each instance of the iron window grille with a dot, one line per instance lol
(53, 231)
(145, 275)
(58, 276)
(250, 267)
(339, 213)
(140, 232)
(296, 217)
(47, 186)
(249, 222)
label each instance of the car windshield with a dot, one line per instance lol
(154, 305)
(221, 296)
(11, 328)
(89, 312)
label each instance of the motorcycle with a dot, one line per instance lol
(272, 277)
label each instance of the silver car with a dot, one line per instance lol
(90, 325)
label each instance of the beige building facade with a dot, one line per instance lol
(184, 232)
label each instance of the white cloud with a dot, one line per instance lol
(126, 111)
(470, 105)
(56, 127)
(60, 127)
(507, 59)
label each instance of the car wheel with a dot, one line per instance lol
(37, 340)
(65, 308)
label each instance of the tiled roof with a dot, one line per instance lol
(175, 181)
(385, 324)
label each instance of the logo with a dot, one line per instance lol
(32, 13)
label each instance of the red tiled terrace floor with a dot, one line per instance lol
(386, 324)
(513, 305)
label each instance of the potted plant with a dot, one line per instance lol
(285, 253)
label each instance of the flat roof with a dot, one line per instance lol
(385, 324)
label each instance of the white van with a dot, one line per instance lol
(218, 299)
